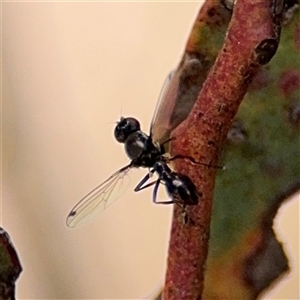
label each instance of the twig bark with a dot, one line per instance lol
(251, 41)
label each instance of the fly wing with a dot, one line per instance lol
(99, 198)
(177, 98)
(165, 104)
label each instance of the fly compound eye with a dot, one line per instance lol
(125, 127)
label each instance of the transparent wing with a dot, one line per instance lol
(162, 96)
(178, 95)
(160, 121)
(99, 198)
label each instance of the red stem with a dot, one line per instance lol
(251, 41)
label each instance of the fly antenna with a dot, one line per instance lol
(121, 112)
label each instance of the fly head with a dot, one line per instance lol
(125, 127)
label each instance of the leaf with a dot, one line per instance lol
(10, 267)
(262, 160)
(260, 152)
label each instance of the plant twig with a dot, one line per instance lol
(252, 40)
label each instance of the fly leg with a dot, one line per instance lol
(154, 197)
(192, 160)
(185, 216)
(173, 201)
(168, 140)
(141, 185)
(182, 206)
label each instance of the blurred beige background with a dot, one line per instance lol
(69, 71)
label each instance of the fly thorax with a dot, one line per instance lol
(136, 144)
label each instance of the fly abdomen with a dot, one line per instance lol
(183, 189)
(179, 187)
(186, 189)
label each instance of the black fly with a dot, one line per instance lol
(148, 151)
(143, 152)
